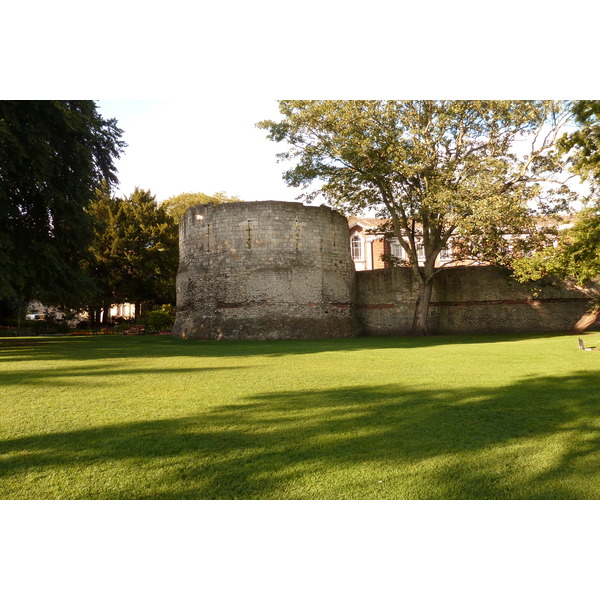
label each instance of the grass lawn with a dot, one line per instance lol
(448, 417)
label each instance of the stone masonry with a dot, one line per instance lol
(264, 270)
(467, 300)
(282, 270)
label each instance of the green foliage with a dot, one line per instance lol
(436, 169)
(53, 154)
(584, 144)
(149, 248)
(576, 255)
(43, 327)
(105, 266)
(177, 205)
(394, 261)
(135, 250)
(162, 319)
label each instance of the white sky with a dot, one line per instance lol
(187, 83)
(207, 146)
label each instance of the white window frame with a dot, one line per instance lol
(359, 245)
(396, 249)
(446, 253)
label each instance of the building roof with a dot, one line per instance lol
(366, 222)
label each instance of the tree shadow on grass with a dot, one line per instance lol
(126, 347)
(104, 375)
(539, 438)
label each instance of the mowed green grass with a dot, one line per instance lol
(482, 417)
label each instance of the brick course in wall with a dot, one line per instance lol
(467, 300)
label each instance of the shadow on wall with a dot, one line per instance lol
(537, 439)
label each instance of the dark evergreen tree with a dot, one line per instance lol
(135, 251)
(149, 246)
(53, 156)
(104, 265)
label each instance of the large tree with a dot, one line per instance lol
(53, 155)
(134, 254)
(105, 265)
(436, 169)
(145, 249)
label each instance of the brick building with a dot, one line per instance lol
(368, 245)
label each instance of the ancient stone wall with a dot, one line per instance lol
(467, 300)
(264, 270)
(282, 270)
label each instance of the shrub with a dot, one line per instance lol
(44, 327)
(62, 327)
(162, 319)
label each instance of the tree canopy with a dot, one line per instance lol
(177, 205)
(576, 255)
(583, 146)
(135, 250)
(150, 247)
(53, 156)
(436, 169)
(103, 264)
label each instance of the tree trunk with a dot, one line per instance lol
(419, 326)
(106, 313)
(586, 320)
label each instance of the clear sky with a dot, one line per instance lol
(208, 146)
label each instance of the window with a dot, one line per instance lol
(446, 253)
(420, 252)
(396, 250)
(356, 246)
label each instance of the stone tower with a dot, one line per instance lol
(264, 270)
